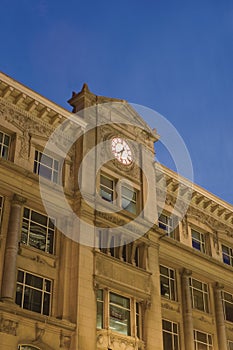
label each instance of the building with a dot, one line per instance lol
(111, 281)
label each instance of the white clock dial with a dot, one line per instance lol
(121, 151)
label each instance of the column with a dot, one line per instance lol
(187, 310)
(219, 315)
(152, 313)
(11, 250)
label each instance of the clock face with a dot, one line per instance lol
(121, 151)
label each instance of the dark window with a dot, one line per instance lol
(170, 335)
(167, 282)
(4, 145)
(33, 292)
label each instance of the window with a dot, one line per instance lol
(106, 188)
(227, 255)
(4, 145)
(166, 223)
(38, 231)
(230, 345)
(198, 241)
(167, 282)
(128, 199)
(100, 309)
(228, 306)
(199, 293)
(46, 166)
(33, 292)
(170, 335)
(124, 314)
(202, 341)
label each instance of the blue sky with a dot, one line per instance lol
(175, 57)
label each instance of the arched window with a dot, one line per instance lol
(27, 347)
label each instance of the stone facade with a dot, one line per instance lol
(111, 279)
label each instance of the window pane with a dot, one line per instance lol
(34, 281)
(119, 320)
(119, 300)
(32, 299)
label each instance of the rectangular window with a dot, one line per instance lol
(100, 309)
(202, 341)
(199, 294)
(167, 282)
(230, 345)
(4, 145)
(33, 292)
(119, 314)
(38, 231)
(227, 255)
(198, 241)
(228, 306)
(124, 313)
(166, 223)
(106, 188)
(129, 199)
(170, 335)
(46, 166)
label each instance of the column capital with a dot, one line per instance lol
(186, 273)
(218, 286)
(17, 199)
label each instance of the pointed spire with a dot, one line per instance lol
(85, 88)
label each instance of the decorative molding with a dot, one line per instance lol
(171, 307)
(65, 341)
(37, 259)
(17, 199)
(39, 332)
(204, 319)
(106, 339)
(8, 326)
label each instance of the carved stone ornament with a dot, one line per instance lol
(170, 307)
(32, 126)
(185, 227)
(8, 326)
(39, 332)
(210, 221)
(65, 341)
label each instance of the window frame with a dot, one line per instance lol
(208, 337)
(37, 164)
(229, 254)
(119, 198)
(49, 228)
(133, 326)
(172, 295)
(204, 294)
(1, 209)
(201, 242)
(27, 347)
(174, 334)
(230, 344)
(4, 146)
(23, 285)
(167, 225)
(227, 301)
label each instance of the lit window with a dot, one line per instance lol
(170, 335)
(202, 341)
(198, 241)
(46, 166)
(227, 255)
(100, 309)
(230, 345)
(33, 292)
(106, 188)
(4, 145)
(38, 231)
(228, 306)
(129, 199)
(167, 282)
(124, 313)
(199, 293)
